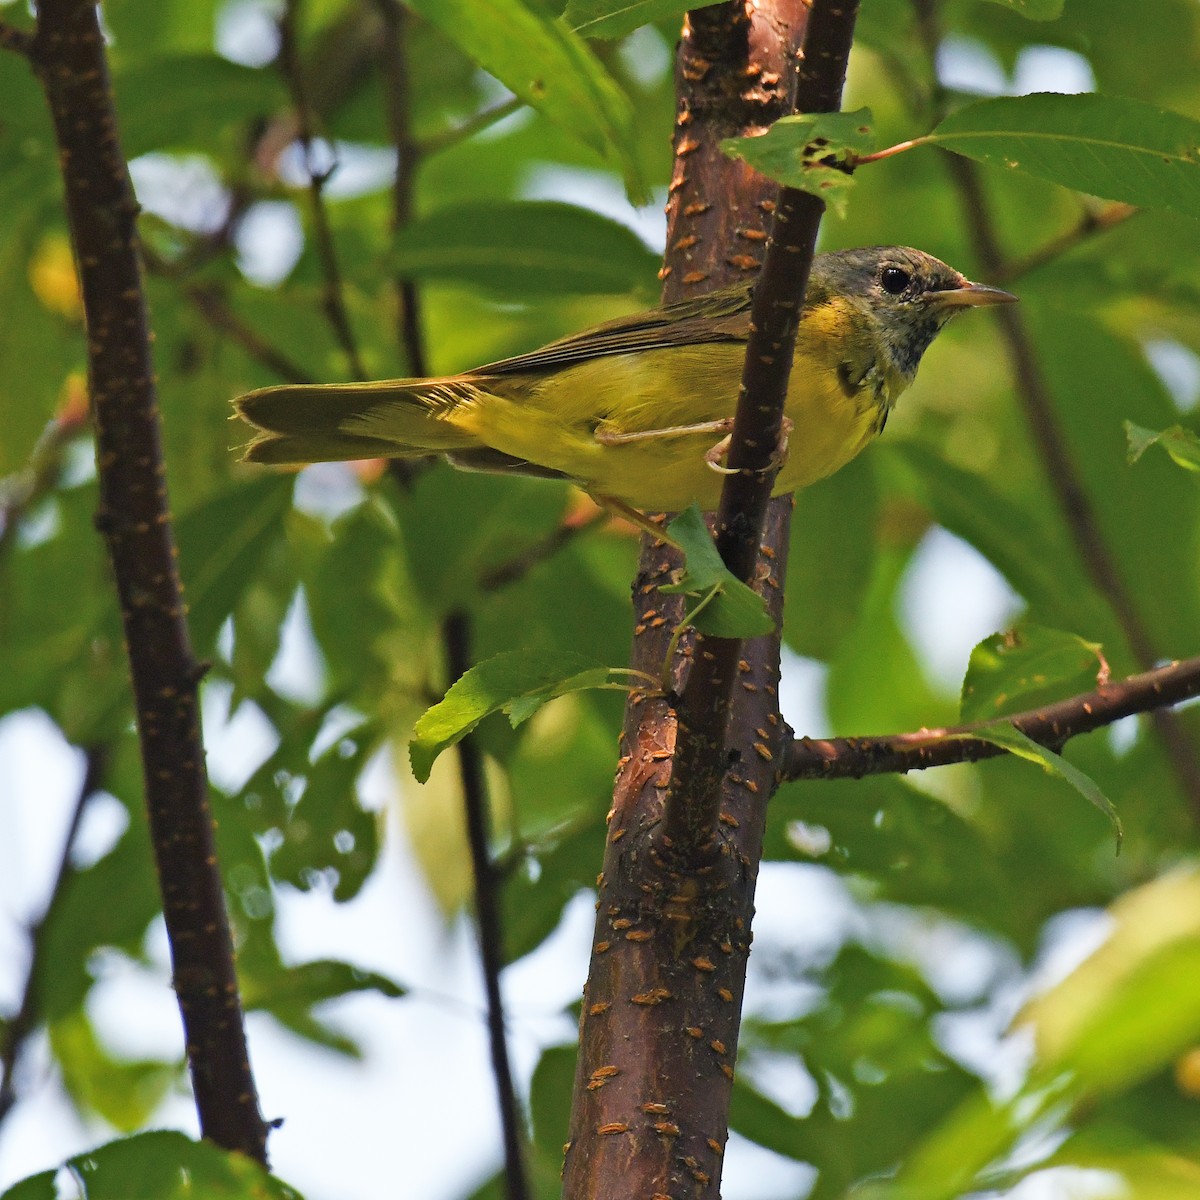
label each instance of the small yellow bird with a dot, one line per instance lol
(638, 410)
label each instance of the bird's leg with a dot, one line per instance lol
(610, 437)
(618, 508)
(778, 455)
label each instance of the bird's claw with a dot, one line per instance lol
(778, 456)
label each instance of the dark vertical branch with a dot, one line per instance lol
(456, 634)
(27, 1018)
(694, 797)
(134, 517)
(1051, 442)
(333, 300)
(661, 1011)
(395, 64)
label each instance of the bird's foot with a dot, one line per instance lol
(778, 456)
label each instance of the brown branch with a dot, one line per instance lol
(333, 299)
(134, 518)
(661, 1011)
(1051, 726)
(18, 1028)
(456, 636)
(694, 796)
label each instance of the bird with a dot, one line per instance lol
(637, 411)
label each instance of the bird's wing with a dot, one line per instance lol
(722, 316)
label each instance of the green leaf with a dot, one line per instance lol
(546, 65)
(162, 1164)
(616, 18)
(528, 248)
(1010, 738)
(176, 101)
(315, 982)
(518, 683)
(809, 151)
(124, 1093)
(222, 543)
(728, 608)
(1026, 667)
(1181, 444)
(1120, 149)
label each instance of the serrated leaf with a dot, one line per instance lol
(535, 248)
(730, 608)
(1181, 444)
(1010, 738)
(1120, 149)
(518, 683)
(616, 18)
(548, 66)
(809, 151)
(1027, 666)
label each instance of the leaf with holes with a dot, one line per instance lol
(810, 151)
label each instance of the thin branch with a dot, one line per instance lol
(694, 797)
(1093, 221)
(207, 300)
(333, 301)
(21, 1025)
(19, 41)
(1051, 726)
(394, 61)
(485, 119)
(22, 492)
(456, 634)
(134, 517)
(1051, 443)
(517, 567)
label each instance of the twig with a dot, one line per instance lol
(394, 60)
(693, 799)
(1051, 726)
(517, 567)
(456, 637)
(134, 517)
(333, 301)
(19, 41)
(1092, 222)
(17, 1029)
(436, 143)
(1051, 443)
(207, 300)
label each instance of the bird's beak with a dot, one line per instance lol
(972, 295)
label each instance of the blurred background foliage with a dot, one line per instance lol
(875, 1038)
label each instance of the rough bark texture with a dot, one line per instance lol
(662, 1006)
(68, 55)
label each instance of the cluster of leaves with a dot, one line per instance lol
(376, 567)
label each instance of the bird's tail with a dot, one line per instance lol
(398, 418)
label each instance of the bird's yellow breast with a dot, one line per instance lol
(553, 420)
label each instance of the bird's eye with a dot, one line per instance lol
(894, 280)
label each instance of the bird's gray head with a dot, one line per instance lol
(898, 297)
